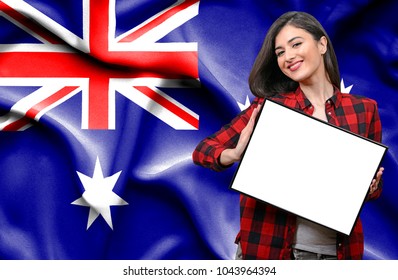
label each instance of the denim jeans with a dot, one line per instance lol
(305, 255)
(297, 255)
(238, 255)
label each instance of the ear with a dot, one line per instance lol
(323, 44)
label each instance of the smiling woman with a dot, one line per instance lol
(296, 67)
(300, 57)
(267, 77)
(293, 51)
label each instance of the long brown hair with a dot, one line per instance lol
(266, 79)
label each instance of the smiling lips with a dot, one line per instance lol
(295, 65)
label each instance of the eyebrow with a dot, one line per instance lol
(291, 40)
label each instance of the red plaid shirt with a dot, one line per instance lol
(267, 232)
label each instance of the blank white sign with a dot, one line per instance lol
(308, 167)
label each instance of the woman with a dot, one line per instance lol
(297, 67)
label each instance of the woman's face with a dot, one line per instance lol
(299, 56)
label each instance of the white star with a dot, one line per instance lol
(98, 195)
(344, 89)
(244, 106)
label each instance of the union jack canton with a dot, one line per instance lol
(62, 65)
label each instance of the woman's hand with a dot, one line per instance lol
(229, 156)
(375, 182)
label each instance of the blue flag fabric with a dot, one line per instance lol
(100, 110)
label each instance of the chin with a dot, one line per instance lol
(299, 78)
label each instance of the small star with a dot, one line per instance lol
(98, 195)
(344, 89)
(244, 106)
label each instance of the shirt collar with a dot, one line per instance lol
(303, 101)
(336, 98)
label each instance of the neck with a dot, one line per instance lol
(318, 93)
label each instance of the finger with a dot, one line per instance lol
(254, 115)
(252, 120)
(378, 176)
(373, 187)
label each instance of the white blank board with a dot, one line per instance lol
(308, 167)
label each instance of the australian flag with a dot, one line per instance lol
(103, 101)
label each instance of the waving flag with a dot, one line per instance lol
(144, 64)
(102, 103)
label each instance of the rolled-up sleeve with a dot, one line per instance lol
(207, 152)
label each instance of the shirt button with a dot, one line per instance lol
(328, 101)
(329, 113)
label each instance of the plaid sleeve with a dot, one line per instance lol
(375, 133)
(374, 124)
(208, 151)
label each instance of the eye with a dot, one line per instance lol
(280, 53)
(295, 45)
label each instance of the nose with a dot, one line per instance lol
(290, 54)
